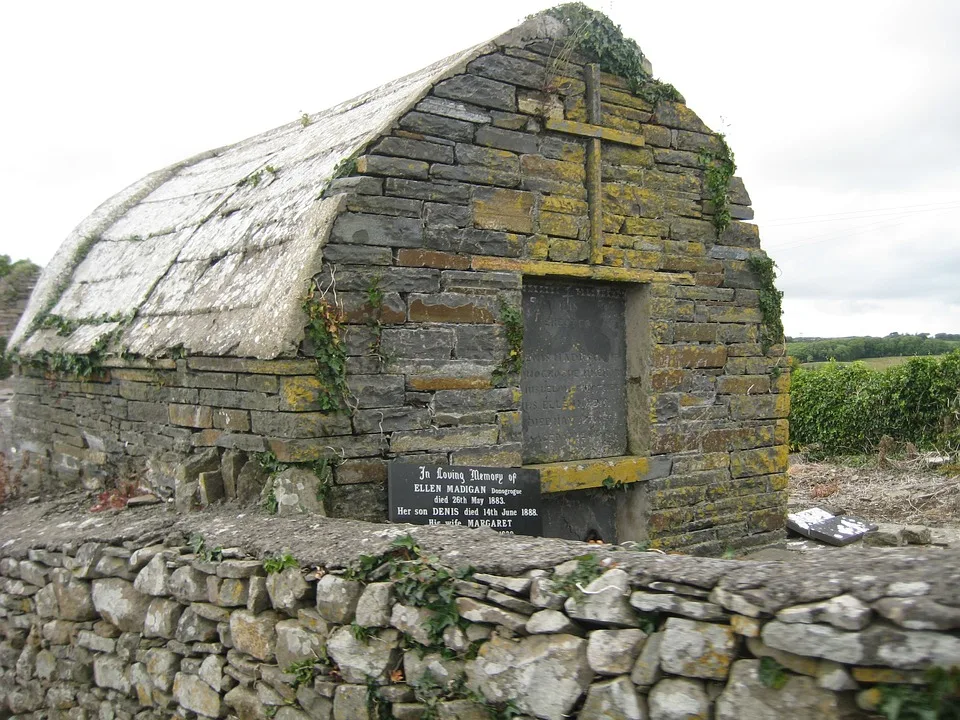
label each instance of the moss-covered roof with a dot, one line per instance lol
(213, 254)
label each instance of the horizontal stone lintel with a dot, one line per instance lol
(595, 131)
(585, 474)
(545, 268)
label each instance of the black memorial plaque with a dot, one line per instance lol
(574, 372)
(504, 499)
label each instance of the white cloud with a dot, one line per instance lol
(830, 108)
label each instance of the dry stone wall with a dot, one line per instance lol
(100, 618)
(464, 198)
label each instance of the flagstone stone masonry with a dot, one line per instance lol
(118, 616)
(501, 168)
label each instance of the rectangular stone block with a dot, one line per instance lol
(432, 259)
(423, 342)
(416, 149)
(762, 461)
(435, 192)
(241, 400)
(453, 401)
(257, 383)
(689, 356)
(498, 209)
(478, 91)
(351, 472)
(393, 167)
(387, 420)
(398, 279)
(248, 365)
(376, 391)
(435, 439)
(437, 126)
(518, 142)
(365, 229)
(446, 215)
(233, 420)
(290, 450)
(147, 412)
(452, 308)
(475, 241)
(759, 407)
(212, 380)
(358, 254)
(195, 416)
(743, 384)
(300, 424)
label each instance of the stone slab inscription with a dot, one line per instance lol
(574, 372)
(504, 499)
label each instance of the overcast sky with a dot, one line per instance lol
(844, 117)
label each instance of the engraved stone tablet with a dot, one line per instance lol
(574, 372)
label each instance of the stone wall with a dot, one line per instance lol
(119, 616)
(441, 221)
(15, 289)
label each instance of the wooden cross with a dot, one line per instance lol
(595, 132)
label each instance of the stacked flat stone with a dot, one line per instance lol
(477, 184)
(132, 631)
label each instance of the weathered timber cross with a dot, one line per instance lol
(595, 132)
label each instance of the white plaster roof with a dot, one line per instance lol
(202, 260)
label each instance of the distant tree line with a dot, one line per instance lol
(847, 349)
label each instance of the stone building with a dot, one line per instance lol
(508, 258)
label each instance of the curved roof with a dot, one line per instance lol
(213, 254)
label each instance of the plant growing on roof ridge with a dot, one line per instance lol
(324, 320)
(718, 169)
(599, 39)
(771, 301)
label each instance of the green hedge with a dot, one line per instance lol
(847, 408)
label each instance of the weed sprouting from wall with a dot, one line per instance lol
(718, 169)
(512, 362)
(771, 301)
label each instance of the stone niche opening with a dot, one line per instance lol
(584, 385)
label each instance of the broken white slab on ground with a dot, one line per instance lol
(818, 524)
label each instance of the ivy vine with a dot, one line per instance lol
(719, 167)
(600, 40)
(324, 320)
(771, 299)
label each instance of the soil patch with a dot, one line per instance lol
(907, 492)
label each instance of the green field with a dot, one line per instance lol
(881, 363)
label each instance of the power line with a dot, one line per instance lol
(895, 221)
(860, 214)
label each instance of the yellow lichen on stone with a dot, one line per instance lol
(300, 392)
(563, 476)
(498, 209)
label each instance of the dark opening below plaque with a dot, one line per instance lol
(573, 380)
(504, 499)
